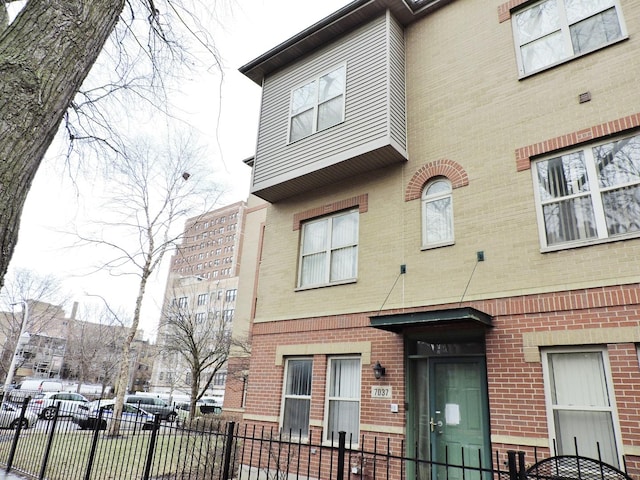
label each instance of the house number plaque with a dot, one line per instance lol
(381, 392)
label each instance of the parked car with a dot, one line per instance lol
(155, 406)
(43, 404)
(10, 417)
(133, 418)
(209, 405)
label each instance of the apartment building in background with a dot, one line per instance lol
(84, 352)
(449, 256)
(202, 286)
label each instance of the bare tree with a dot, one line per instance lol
(200, 341)
(46, 54)
(149, 191)
(93, 348)
(45, 298)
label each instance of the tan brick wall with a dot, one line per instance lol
(466, 105)
(251, 249)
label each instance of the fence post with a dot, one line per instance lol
(94, 444)
(342, 435)
(16, 436)
(152, 446)
(522, 468)
(228, 448)
(513, 467)
(47, 450)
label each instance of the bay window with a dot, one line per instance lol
(318, 104)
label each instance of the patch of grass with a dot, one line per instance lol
(178, 453)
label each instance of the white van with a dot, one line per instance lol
(31, 387)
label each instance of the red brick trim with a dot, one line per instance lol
(443, 167)
(524, 154)
(361, 201)
(504, 10)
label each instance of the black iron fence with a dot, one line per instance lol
(77, 446)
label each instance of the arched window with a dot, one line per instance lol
(437, 213)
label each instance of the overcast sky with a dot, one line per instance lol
(248, 28)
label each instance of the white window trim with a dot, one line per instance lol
(285, 396)
(314, 128)
(434, 197)
(594, 193)
(567, 38)
(610, 391)
(326, 440)
(328, 250)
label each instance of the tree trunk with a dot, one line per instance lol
(45, 55)
(123, 376)
(195, 387)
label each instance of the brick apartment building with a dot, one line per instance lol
(454, 196)
(203, 284)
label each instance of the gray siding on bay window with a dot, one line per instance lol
(373, 133)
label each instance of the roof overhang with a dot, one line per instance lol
(344, 20)
(464, 315)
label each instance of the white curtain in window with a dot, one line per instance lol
(343, 264)
(344, 230)
(297, 401)
(313, 269)
(314, 246)
(344, 398)
(578, 379)
(581, 405)
(344, 237)
(298, 377)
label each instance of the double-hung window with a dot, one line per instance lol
(296, 402)
(329, 250)
(343, 399)
(230, 295)
(437, 214)
(551, 31)
(580, 403)
(589, 195)
(318, 104)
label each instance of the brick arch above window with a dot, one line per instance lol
(440, 168)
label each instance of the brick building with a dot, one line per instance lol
(202, 285)
(454, 197)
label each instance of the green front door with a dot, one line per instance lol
(458, 411)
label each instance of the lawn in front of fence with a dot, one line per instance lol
(175, 452)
